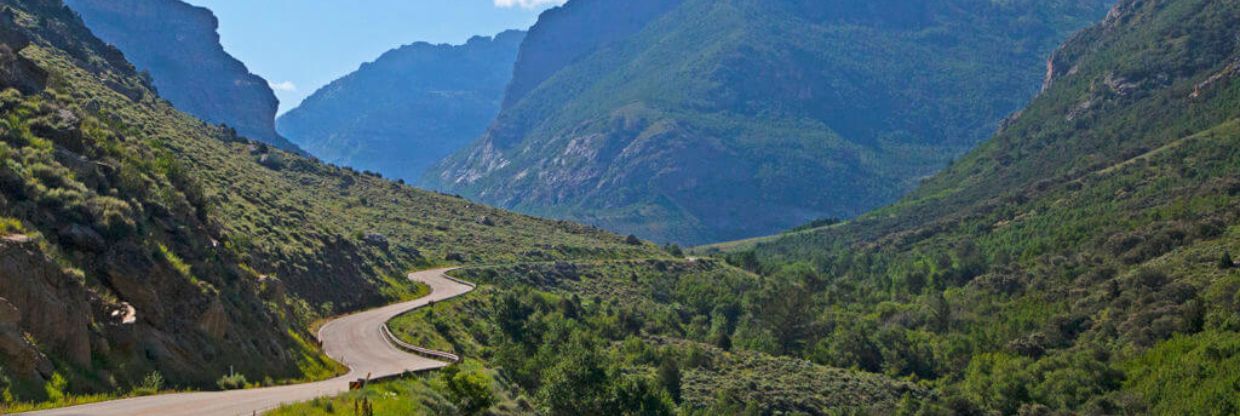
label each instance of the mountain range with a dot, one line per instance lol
(136, 239)
(700, 120)
(409, 108)
(1079, 260)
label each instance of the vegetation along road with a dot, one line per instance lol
(356, 340)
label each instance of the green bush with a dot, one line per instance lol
(470, 390)
(231, 381)
(151, 384)
(55, 388)
(11, 226)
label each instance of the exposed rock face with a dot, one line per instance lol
(55, 307)
(705, 120)
(15, 70)
(408, 109)
(23, 358)
(178, 45)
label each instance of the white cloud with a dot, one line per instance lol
(528, 4)
(286, 86)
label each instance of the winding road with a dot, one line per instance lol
(355, 340)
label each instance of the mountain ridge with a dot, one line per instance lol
(179, 46)
(410, 107)
(713, 115)
(1090, 236)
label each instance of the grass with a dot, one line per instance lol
(11, 226)
(643, 311)
(420, 394)
(66, 401)
(261, 250)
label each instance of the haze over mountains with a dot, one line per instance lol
(177, 44)
(688, 122)
(1078, 261)
(409, 108)
(136, 239)
(705, 120)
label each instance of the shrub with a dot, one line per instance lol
(470, 390)
(632, 240)
(55, 388)
(10, 226)
(151, 384)
(1224, 263)
(113, 217)
(232, 381)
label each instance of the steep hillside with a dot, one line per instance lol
(1081, 260)
(703, 121)
(408, 109)
(136, 239)
(589, 25)
(177, 45)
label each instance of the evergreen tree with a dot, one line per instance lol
(669, 378)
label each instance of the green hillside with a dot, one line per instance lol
(720, 120)
(1080, 261)
(623, 338)
(137, 240)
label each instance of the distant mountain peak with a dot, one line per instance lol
(414, 105)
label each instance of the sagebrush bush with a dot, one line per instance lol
(232, 381)
(151, 384)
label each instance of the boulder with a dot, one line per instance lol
(83, 237)
(376, 239)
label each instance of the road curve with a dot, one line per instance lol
(354, 340)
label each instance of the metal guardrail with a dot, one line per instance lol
(470, 284)
(425, 352)
(386, 331)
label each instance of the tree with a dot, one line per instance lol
(669, 378)
(510, 315)
(469, 390)
(578, 385)
(723, 340)
(1226, 262)
(632, 240)
(783, 305)
(635, 396)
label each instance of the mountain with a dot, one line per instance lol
(177, 45)
(699, 120)
(408, 109)
(1080, 261)
(142, 248)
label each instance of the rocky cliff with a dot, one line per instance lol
(177, 44)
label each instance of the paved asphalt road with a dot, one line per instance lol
(354, 340)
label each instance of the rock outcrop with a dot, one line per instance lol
(177, 44)
(55, 307)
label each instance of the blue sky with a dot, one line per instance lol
(301, 45)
